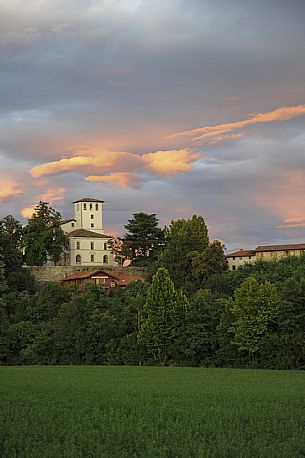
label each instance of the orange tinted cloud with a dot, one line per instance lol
(119, 167)
(279, 114)
(8, 189)
(170, 162)
(285, 199)
(51, 195)
(122, 179)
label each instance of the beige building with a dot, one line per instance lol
(88, 245)
(265, 253)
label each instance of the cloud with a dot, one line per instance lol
(170, 162)
(122, 179)
(218, 130)
(50, 196)
(159, 163)
(8, 189)
(284, 198)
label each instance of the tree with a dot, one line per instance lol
(184, 239)
(11, 243)
(254, 307)
(43, 237)
(164, 318)
(199, 341)
(4, 336)
(210, 262)
(3, 282)
(144, 238)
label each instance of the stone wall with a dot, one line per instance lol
(46, 274)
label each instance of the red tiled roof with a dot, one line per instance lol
(89, 234)
(80, 275)
(88, 199)
(241, 253)
(120, 277)
(292, 246)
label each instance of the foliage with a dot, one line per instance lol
(43, 237)
(210, 262)
(184, 240)
(163, 318)
(144, 238)
(254, 307)
(3, 282)
(11, 243)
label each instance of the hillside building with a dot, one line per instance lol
(265, 253)
(88, 244)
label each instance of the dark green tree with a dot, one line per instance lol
(3, 282)
(210, 262)
(11, 243)
(144, 238)
(163, 320)
(184, 240)
(254, 307)
(4, 336)
(43, 237)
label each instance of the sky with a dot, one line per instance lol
(173, 107)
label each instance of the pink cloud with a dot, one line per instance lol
(279, 114)
(120, 167)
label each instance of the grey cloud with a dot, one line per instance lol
(128, 73)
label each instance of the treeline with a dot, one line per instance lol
(192, 312)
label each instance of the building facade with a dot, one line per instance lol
(264, 253)
(88, 244)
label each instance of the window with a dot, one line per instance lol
(92, 245)
(92, 216)
(92, 225)
(233, 267)
(105, 259)
(240, 258)
(85, 206)
(112, 284)
(92, 258)
(78, 259)
(249, 257)
(261, 255)
(233, 258)
(77, 207)
(78, 245)
(96, 207)
(271, 255)
(105, 246)
(90, 206)
(72, 224)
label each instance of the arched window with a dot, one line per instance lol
(105, 259)
(78, 259)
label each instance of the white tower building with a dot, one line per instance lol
(89, 214)
(88, 245)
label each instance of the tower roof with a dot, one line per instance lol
(88, 199)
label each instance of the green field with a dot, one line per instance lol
(102, 411)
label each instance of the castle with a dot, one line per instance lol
(88, 244)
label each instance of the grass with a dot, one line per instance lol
(86, 411)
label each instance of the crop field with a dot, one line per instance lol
(102, 411)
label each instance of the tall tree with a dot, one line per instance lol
(43, 237)
(144, 238)
(184, 239)
(210, 262)
(254, 307)
(164, 318)
(3, 282)
(11, 243)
